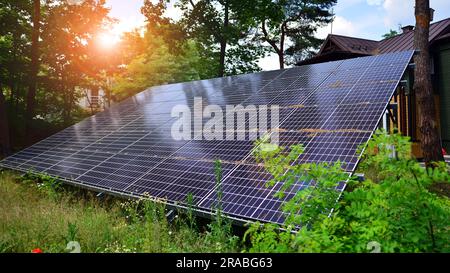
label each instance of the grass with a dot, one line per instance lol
(40, 213)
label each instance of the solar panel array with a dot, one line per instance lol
(330, 108)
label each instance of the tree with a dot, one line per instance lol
(14, 49)
(68, 36)
(159, 25)
(163, 54)
(220, 25)
(31, 96)
(430, 142)
(5, 145)
(292, 23)
(46, 60)
(157, 66)
(13, 64)
(392, 33)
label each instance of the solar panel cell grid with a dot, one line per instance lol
(331, 147)
(326, 96)
(370, 92)
(355, 117)
(243, 191)
(307, 82)
(306, 118)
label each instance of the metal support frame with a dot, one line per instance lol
(171, 215)
(360, 177)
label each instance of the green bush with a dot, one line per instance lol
(395, 208)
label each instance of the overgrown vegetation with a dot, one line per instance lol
(400, 207)
(395, 208)
(37, 212)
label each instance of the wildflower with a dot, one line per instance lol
(37, 250)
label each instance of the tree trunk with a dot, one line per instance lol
(4, 127)
(223, 42)
(31, 96)
(13, 72)
(69, 100)
(223, 49)
(281, 59)
(12, 85)
(281, 48)
(66, 110)
(428, 126)
(108, 93)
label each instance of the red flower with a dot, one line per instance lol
(37, 250)
(444, 152)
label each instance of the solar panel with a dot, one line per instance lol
(330, 108)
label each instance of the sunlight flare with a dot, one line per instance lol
(107, 39)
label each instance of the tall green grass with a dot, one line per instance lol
(39, 213)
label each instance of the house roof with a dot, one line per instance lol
(356, 46)
(405, 41)
(350, 44)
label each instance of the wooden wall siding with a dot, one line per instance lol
(444, 92)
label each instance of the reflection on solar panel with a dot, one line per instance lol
(330, 108)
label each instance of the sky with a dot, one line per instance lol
(368, 19)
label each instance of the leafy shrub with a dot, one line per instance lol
(393, 208)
